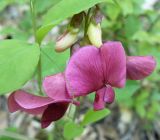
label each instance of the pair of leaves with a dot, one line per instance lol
(18, 61)
(72, 130)
(61, 11)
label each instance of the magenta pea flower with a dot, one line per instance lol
(102, 69)
(52, 108)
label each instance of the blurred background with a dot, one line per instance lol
(135, 115)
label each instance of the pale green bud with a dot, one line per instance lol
(66, 41)
(95, 34)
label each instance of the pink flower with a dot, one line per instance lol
(52, 107)
(100, 69)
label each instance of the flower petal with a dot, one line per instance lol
(99, 102)
(29, 101)
(139, 67)
(13, 106)
(21, 100)
(55, 87)
(114, 63)
(103, 96)
(109, 94)
(84, 72)
(53, 113)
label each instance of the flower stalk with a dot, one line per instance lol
(39, 71)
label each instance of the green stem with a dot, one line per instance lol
(40, 77)
(33, 13)
(33, 19)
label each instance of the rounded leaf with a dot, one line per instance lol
(18, 61)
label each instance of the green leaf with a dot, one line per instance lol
(144, 36)
(18, 61)
(137, 6)
(142, 97)
(61, 11)
(53, 62)
(127, 92)
(126, 6)
(43, 5)
(72, 130)
(92, 116)
(113, 10)
(140, 109)
(155, 96)
(153, 110)
(141, 36)
(129, 28)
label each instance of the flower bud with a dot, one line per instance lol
(139, 67)
(95, 34)
(66, 40)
